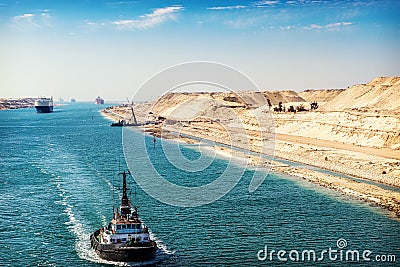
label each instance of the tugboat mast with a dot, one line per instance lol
(125, 203)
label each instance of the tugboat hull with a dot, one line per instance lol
(113, 252)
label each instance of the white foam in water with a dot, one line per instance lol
(82, 243)
(162, 253)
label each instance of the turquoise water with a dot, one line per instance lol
(59, 179)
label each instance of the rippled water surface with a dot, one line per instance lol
(59, 179)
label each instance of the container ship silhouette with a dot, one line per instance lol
(44, 105)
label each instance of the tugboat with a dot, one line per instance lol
(131, 122)
(120, 123)
(126, 238)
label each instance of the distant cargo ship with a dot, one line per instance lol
(44, 105)
(99, 100)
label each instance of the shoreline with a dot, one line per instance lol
(16, 103)
(373, 194)
(329, 159)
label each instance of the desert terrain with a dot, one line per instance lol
(16, 103)
(354, 132)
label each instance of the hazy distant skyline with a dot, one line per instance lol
(82, 49)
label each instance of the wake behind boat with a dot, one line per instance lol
(125, 238)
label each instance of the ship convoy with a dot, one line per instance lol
(126, 238)
(45, 104)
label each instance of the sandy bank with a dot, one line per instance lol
(371, 193)
(362, 142)
(331, 158)
(17, 103)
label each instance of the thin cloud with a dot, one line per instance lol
(225, 7)
(310, 3)
(328, 26)
(94, 25)
(158, 16)
(243, 22)
(265, 3)
(338, 24)
(29, 21)
(26, 16)
(90, 23)
(121, 3)
(26, 20)
(287, 28)
(364, 3)
(45, 17)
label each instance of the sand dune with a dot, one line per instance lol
(355, 128)
(380, 94)
(283, 96)
(321, 95)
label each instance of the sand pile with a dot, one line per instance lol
(362, 129)
(379, 94)
(321, 96)
(247, 99)
(284, 96)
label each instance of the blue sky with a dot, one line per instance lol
(82, 49)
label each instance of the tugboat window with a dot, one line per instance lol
(118, 227)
